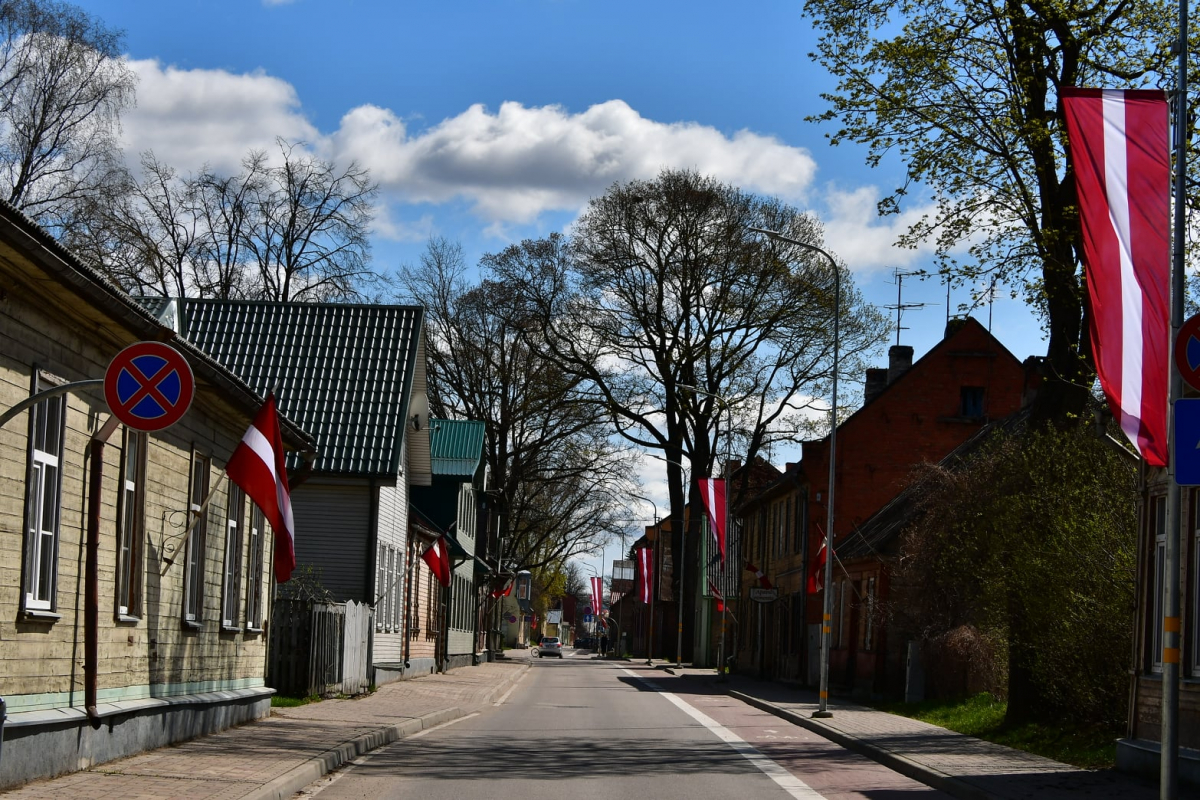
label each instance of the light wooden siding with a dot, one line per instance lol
(393, 532)
(462, 636)
(333, 522)
(418, 465)
(41, 663)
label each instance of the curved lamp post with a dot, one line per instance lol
(826, 622)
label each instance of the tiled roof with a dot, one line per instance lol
(343, 372)
(456, 446)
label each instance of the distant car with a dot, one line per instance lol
(549, 646)
(585, 643)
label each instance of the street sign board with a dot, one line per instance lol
(149, 386)
(1187, 441)
(760, 595)
(1187, 351)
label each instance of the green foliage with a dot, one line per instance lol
(1031, 540)
(965, 94)
(982, 716)
(281, 701)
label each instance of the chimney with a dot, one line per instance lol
(899, 360)
(877, 381)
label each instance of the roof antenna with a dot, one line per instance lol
(900, 306)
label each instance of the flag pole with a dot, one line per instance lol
(1169, 738)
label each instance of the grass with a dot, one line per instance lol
(982, 716)
(281, 701)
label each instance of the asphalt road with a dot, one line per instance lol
(581, 728)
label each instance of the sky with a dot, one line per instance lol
(492, 121)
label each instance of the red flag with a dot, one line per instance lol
(257, 467)
(505, 592)
(763, 580)
(816, 581)
(1120, 152)
(716, 593)
(437, 556)
(597, 596)
(645, 572)
(713, 492)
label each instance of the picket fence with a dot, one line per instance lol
(319, 648)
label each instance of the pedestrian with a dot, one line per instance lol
(603, 644)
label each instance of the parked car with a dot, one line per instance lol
(549, 646)
(585, 643)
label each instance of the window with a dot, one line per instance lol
(869, 627)
(232, 584)
(1159, 587)
(254, 568)
(193, 574)
(43, 501)
(972, 402)
(131, 519)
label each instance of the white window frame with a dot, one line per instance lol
(194, 556)
(43, 504)
(255, 535)
(131, 517)
(231, 583)
(1158, 522)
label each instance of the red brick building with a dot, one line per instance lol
(912, 413)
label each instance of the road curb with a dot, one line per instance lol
(320, 765)
(927, 775)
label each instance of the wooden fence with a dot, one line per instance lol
(319, 648)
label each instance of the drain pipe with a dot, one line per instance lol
(91, 608)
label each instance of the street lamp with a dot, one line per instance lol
(826, 629)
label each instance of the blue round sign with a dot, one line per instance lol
(149, 386)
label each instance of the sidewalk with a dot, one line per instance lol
(959, 765)
(278, 756)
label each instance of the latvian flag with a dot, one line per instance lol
(763, 580)
(257, 467)
(645, 572)
(1120, 154)
(716, 593)
(713, 492)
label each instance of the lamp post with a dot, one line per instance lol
(826, 629)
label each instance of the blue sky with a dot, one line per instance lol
(489, 122)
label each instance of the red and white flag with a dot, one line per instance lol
(716, 593)
(713, 492)
(257, 467)
(504, 592)
(437, 556)
(598, 596)
(816, 576)
(1120, 153)
(763, 580)
(645, 572)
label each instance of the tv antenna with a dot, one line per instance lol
(900, 306)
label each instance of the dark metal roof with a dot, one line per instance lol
(342, 371)
(455, 446)
(37, 245)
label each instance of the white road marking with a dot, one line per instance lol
(785, 780)
(419, 734)
(512, 688)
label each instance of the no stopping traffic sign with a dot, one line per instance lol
(149, 386)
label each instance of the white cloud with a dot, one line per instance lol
(857, 234)
(519, 162)
(190, 118)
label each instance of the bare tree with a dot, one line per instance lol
(63, 87)
(560, 480)
(308, 230)
(666, 301)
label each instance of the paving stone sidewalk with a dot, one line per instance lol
(959, 765)
(276, 757)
